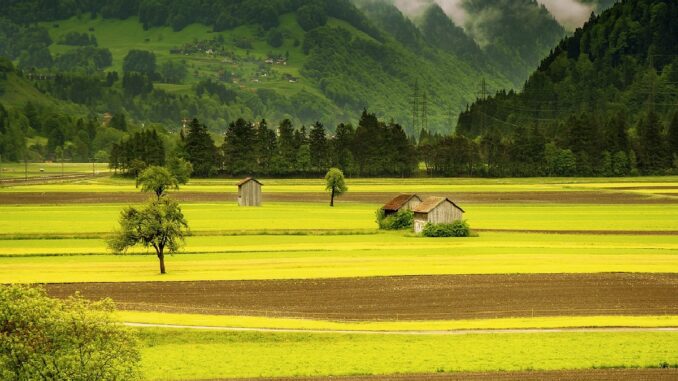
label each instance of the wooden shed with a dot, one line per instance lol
(249, 192)
(436, 210)
(401, 202)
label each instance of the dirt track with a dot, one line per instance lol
(578, 197)
(566, 375)
(401, 298)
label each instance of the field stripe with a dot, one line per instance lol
(423, 332)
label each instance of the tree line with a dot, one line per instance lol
(586, 145)
(591, 147)
(372, 148)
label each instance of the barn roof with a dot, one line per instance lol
(247, 180)
(431, 203)
(398, 202)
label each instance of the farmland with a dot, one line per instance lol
(549, 253)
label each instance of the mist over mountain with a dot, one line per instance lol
(512, 34)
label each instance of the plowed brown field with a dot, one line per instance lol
(401, 298)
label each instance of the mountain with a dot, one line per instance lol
(611, 88)
(303, 60)
(515, 34)
(440, 31)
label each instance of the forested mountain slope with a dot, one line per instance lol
(303, 60)
(610, 89)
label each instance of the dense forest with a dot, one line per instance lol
(605, 98)
(372, 148)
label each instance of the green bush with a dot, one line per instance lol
(455, 229)
(404, 219)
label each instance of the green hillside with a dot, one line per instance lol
(605, 95)
(330, 61)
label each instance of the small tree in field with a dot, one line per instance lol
(160, 225)
(180, 168)
(335, 183)
(74, 339)
(157, 180)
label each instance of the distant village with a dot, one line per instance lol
(215, 48)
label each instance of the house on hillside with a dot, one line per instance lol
(436, 210)
(249, 192)
(401, 202)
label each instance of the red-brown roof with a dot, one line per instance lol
(399, 202)
(431, 203)
(248, 179)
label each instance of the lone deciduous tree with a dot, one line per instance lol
(157, 180)
(160, 224)
(335, 183)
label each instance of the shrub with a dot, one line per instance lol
(404, 219)
(74, 339)
(455, 229)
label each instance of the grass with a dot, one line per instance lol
(120, 36)
(429, 325)
(177, 354)
(334, 264)
(220, 217)
(18, 170)
(359, 185)
(369, 240)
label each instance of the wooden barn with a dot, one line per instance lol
(249, 192)
(436, 210)
(401, 202)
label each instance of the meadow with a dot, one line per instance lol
(304, 239)
(177, 355)
(360, 185)
(228, 217)
(18, 171)
(389, 327)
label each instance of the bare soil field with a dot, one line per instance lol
(401, 298)
(565, 375)
(570, 197)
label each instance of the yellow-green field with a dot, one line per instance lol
(447, 185)
(330, 256)
(222, 321)
(65, 243)
(228, 217)
(32, 170)
(180, 355)
(338, 241)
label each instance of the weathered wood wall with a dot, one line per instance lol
(445, 213)
(249, 194)
(413, 203)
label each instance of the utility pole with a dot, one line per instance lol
(654, 85)
(93, 169)
(415, 107)
(424, 112)
(449, 120)
(483, 96)
(25, 167)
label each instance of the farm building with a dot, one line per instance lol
(436, 210)
(249, 192)
(401, 202)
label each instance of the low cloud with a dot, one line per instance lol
(453, 8)
(570, 13)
